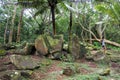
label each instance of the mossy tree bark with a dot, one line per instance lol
(52, 4)
(12, 24)
(5, 33)
(19, 26)
(70, 32)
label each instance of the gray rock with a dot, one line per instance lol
(15, 75)
(75, 47)
(24, 62)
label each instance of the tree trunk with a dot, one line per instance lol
(70, 30)
(12, 25)
(5, 33)
(19, 26)
(53, 19)
(90, 35)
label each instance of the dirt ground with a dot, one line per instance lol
(83, 69)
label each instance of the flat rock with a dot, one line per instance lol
(24, 62)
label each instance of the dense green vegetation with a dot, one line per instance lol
(89, 19)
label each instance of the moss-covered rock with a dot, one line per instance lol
(9, 46)
(46, 44)
(83, 50)
(41, 46)
(95, 55)
(15, 75)
(24, 62)
(67, 57)
(68, 71)
(74, 47)
(55, 44)
(99, 55)
(105, 72)
(2, 52)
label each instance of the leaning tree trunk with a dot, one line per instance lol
(70, 31)
(5, 33)
(19, 26)
(12, 25)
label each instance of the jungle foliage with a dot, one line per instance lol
(90, 19)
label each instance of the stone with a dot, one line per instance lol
(83, 51)
(15, 75)
(46, 44)
(75, 47)
(9, 75)
(105, 72)
(29, 48)
(2, 52)
(40, 45)
(8, 46)
(55, 44)
(55, 56)
(65, 47)
(99, 55)
(26, 74)
(68, 71)
(5, 77)
(24, 62)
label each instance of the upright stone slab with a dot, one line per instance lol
(40, 45)
(75, 47)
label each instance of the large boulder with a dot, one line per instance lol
(40, 45)
(24, 62)
(55, 43)
(46, 44)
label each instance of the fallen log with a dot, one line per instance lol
(108, 42)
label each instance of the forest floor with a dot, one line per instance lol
(54, 69)
(87, 70)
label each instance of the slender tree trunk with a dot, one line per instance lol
(70, 31)
(5, 33)
(19, 26)
(53, 19)
(90, 35)
(100, 27)
(12, 25)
